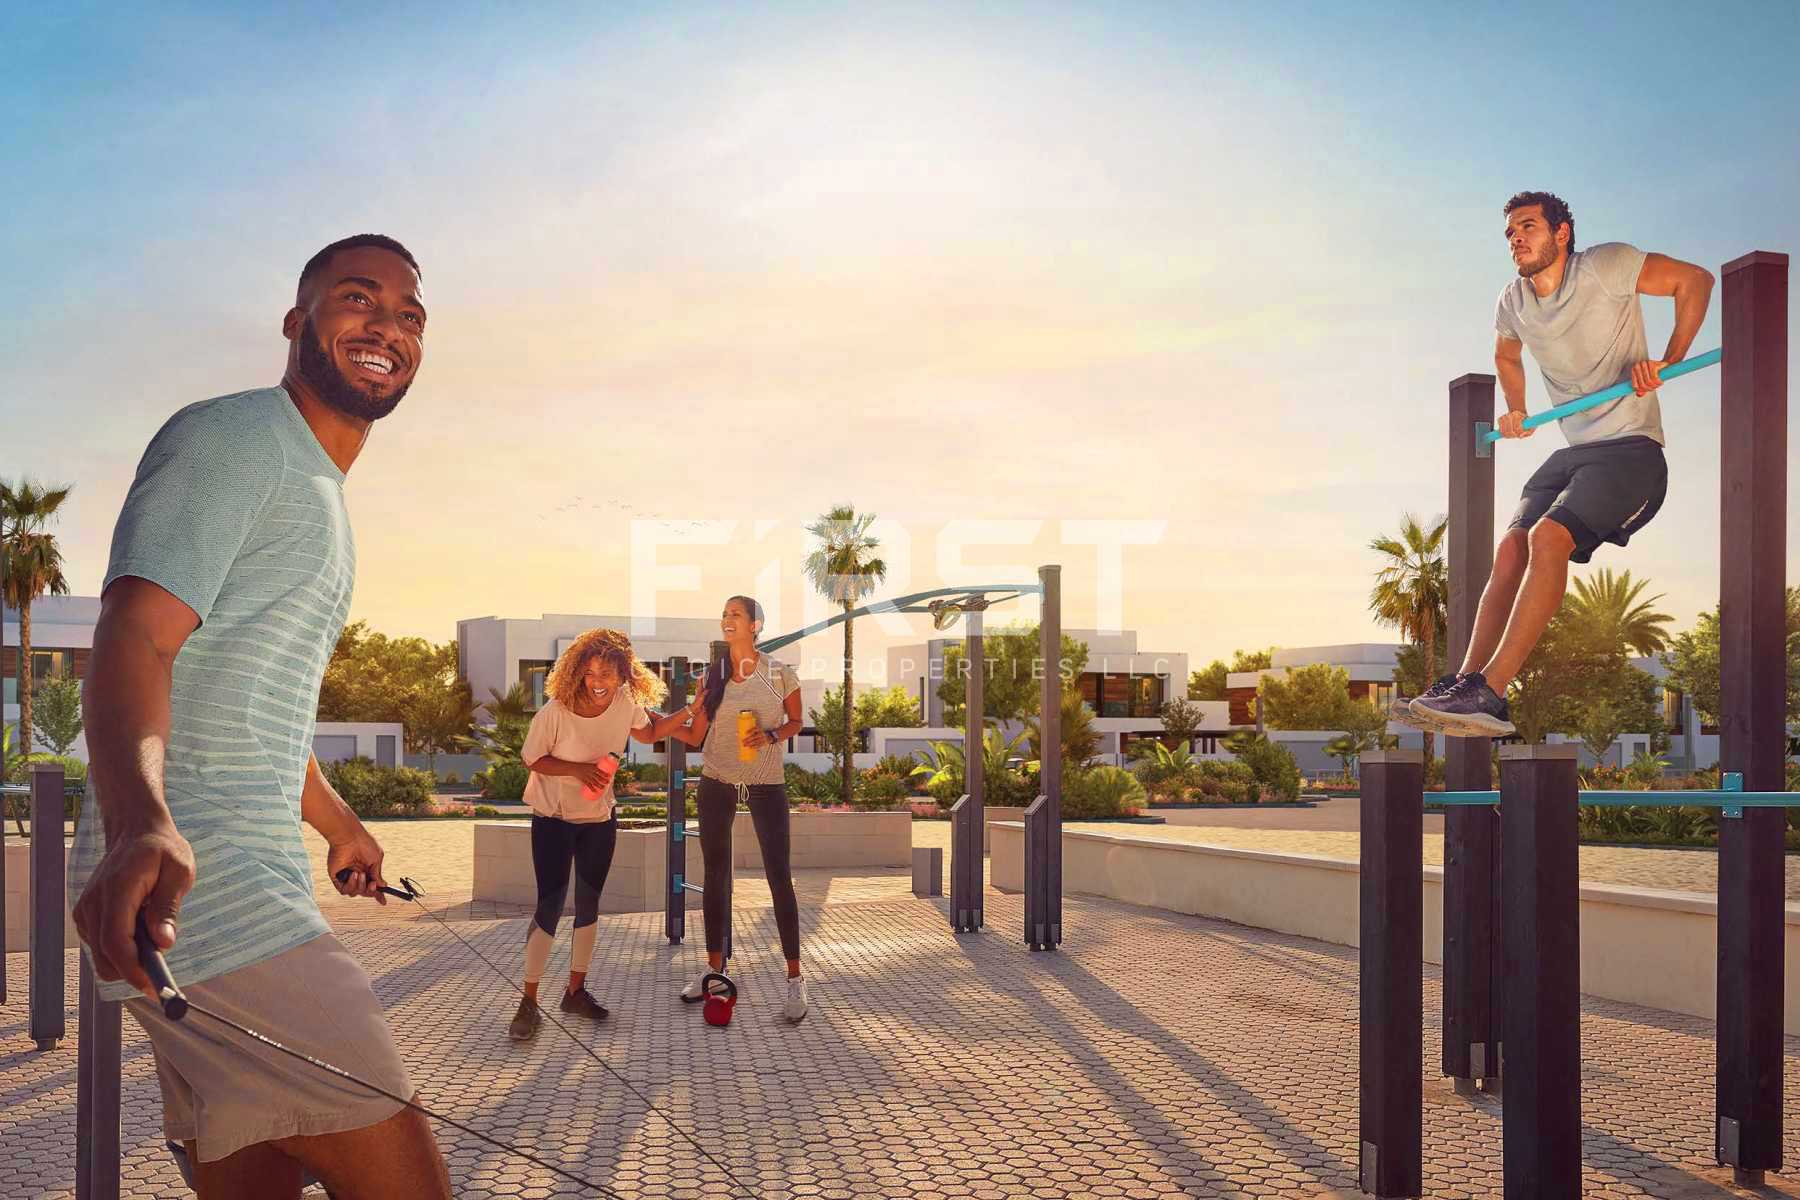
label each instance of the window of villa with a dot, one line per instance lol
(1671, 707)
(533, 673)
(1147, 695)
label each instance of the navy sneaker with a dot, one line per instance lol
(1469, 709)
(1401, 709)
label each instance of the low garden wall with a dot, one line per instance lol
(18, 898)
(1640, 945)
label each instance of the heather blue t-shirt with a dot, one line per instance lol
(238, 512)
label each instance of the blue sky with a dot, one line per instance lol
(1210, 265)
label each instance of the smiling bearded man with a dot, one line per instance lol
(227, 589)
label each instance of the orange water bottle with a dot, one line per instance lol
(746, 722)
(609, 766)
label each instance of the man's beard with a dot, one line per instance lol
(334, 388)
(1532, 266)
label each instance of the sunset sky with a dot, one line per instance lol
(1203, 270)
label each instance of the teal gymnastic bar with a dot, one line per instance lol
(1617, 390)
(1693, 799)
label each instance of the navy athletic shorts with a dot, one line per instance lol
(1599, 491)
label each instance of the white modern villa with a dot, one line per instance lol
(1123, 685)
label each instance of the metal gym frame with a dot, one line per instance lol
(1511, 953)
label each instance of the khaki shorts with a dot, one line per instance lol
(224, 1091)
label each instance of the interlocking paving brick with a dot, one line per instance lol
(1154, 1055)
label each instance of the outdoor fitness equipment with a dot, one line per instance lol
(1487, 435)
(1043, 819)
(1516, 989)
(719, 1004)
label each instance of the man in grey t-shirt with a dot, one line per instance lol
(1578, 312)
(228, 586)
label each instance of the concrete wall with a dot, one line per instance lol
(503, 855)
(18, 898)
(1638, 945)
(363, 733)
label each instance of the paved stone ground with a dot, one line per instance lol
(1157, 1055)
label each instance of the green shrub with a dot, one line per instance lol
(650, 772)
(817, 787)
(504, 781)
(878, 791)
(375, 791)
(1095, 793)
(898, 765)
(486, 810)
(1223, 783)
(18, 808)
(1272, 765)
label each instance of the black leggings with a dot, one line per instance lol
(555, 844)
(768, 804)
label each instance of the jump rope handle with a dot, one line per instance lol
(413, 891)
(174, 1004)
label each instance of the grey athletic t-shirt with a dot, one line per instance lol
(237, 512)
(764, 692)
(1586, 336)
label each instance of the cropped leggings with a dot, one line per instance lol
(556, 846)
(768, 804)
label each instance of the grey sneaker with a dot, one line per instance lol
(525, 1022)
(795, 1009)
(1470, 709)
(583, 1004)
(1403, 712)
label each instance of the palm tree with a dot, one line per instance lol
(1412, 588)
(1608, 605)
(1076, 732)
(844, 569)
(33, 566)
(504, 741)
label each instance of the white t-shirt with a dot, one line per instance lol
(1585, 336)
(559, 733)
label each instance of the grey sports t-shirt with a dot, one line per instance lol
(237, 512)
(1585, 336)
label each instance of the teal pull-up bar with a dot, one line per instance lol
(1731, 799)
(1616, 391)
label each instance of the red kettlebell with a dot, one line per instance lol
(719, 1004)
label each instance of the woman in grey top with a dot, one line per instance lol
(748, 706)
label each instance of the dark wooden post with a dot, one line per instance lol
(47, 915)
(1753, 704)
(1390, 975)
(97, 1091)
(675, 873)
(1050, 728)
(967, 878)
(1542, 979)
(1471, 1050)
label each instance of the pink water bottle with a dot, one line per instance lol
(609, 766)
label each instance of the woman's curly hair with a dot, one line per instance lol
(644, 686)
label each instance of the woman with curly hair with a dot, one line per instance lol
(748, 706)
(597, 695)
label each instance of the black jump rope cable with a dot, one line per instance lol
(176, 1005)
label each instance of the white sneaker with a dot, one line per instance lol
(695, 992)
(796, 1001)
